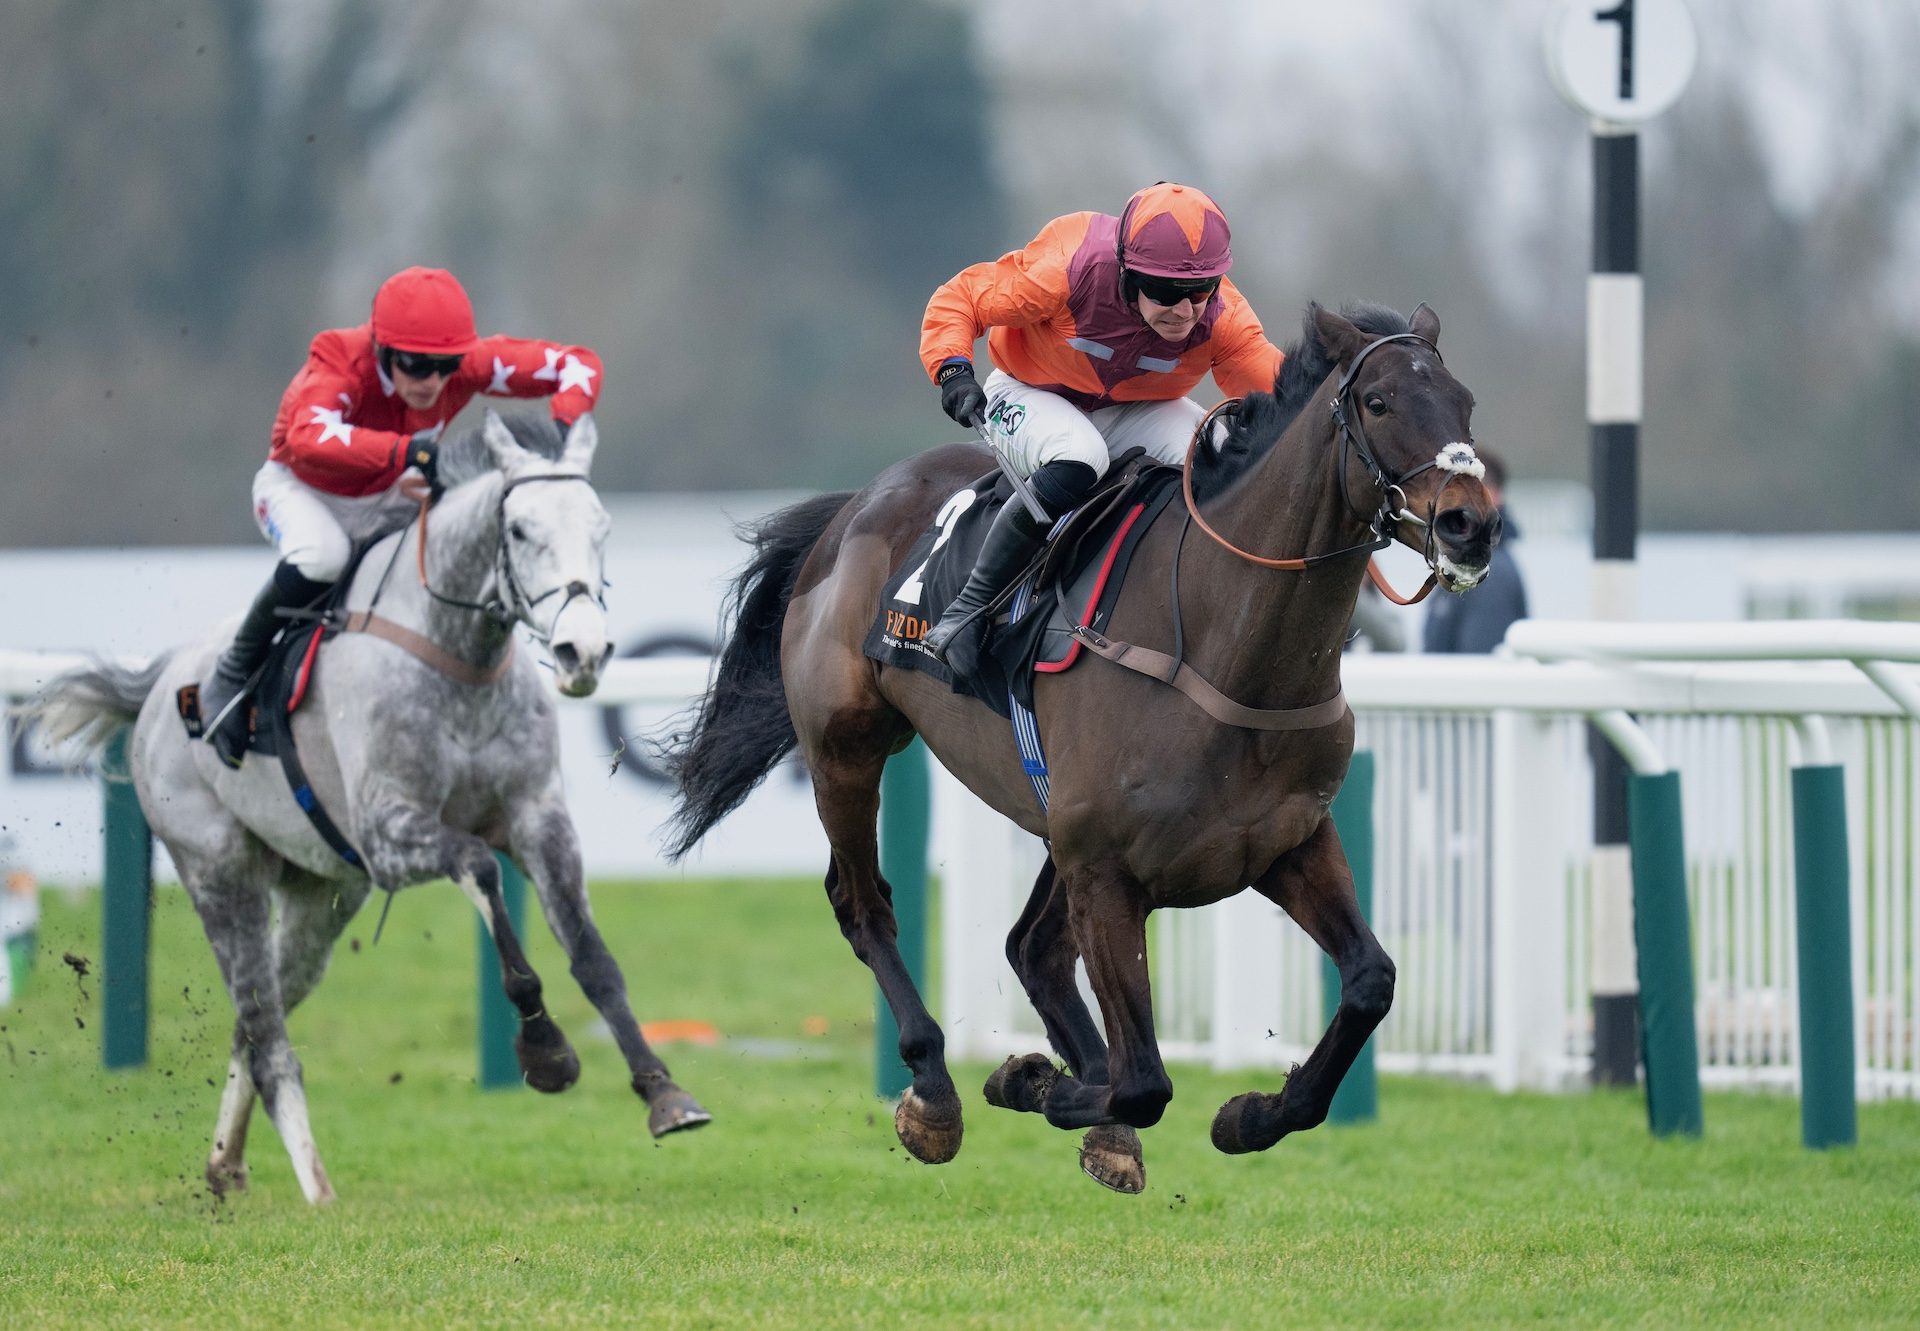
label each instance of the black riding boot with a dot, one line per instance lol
(1012, 541)
(288, 588)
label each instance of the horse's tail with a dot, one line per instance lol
(743, 727)
(91, 703)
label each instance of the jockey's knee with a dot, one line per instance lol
(296, 586)
(1061, 484)
(321, 559)
(1074, 440)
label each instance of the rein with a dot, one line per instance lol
(1454, 458)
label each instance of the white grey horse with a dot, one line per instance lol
(425, 774)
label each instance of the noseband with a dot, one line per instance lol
(1456, 459)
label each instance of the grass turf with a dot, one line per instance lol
(798, 1208)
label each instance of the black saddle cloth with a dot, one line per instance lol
(1075, 580)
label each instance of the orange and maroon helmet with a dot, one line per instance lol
(424, 310)
(1174, 231)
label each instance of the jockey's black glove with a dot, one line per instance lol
(423, 455)
(960, 394)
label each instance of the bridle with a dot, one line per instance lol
(1457, 459)
(516, 605)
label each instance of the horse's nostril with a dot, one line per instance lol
(566, 656)
(1458, 525)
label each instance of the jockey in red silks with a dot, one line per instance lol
(1099, 329)
(366, 410)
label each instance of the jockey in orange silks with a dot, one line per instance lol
(1098, 330)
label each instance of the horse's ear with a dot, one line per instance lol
(1425, 323)
(505, 449)
(1342, 339)
(582, 439)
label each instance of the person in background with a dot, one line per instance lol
(1477, 621)
(359, 428)
(1098, 329)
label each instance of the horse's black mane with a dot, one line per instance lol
(1262, 418)
(464, 456)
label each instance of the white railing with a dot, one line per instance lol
(1482, 868)
(671, 680)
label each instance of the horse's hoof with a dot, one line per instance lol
(547, 1061)
(225, 1176)
(931, 1133)
(1110, 1156)
(1242, 1124)
(675, 1111)
(1022, 1084)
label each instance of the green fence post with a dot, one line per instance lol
(499, 1023)
(1821, 888)
(1663, 937)
(906, 800)
(1358, 1098)
(126, 897)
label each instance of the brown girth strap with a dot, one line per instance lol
(1160, 666)
(427, 650)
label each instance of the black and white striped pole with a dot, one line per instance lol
(1621, 62)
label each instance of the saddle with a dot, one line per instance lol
(282, 682)
(273, 697)
(1072, 584)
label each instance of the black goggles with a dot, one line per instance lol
(419, 365)
(1173, 290)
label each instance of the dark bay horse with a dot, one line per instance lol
(1154, 802)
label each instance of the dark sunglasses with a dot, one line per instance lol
(419, 365)
(1171, 291)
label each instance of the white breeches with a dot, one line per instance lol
(313, 530)
(1034, 427)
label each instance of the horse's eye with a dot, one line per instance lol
(516, 531)
(1376, 404)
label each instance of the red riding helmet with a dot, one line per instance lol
(424, 310)
(1169, 230)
